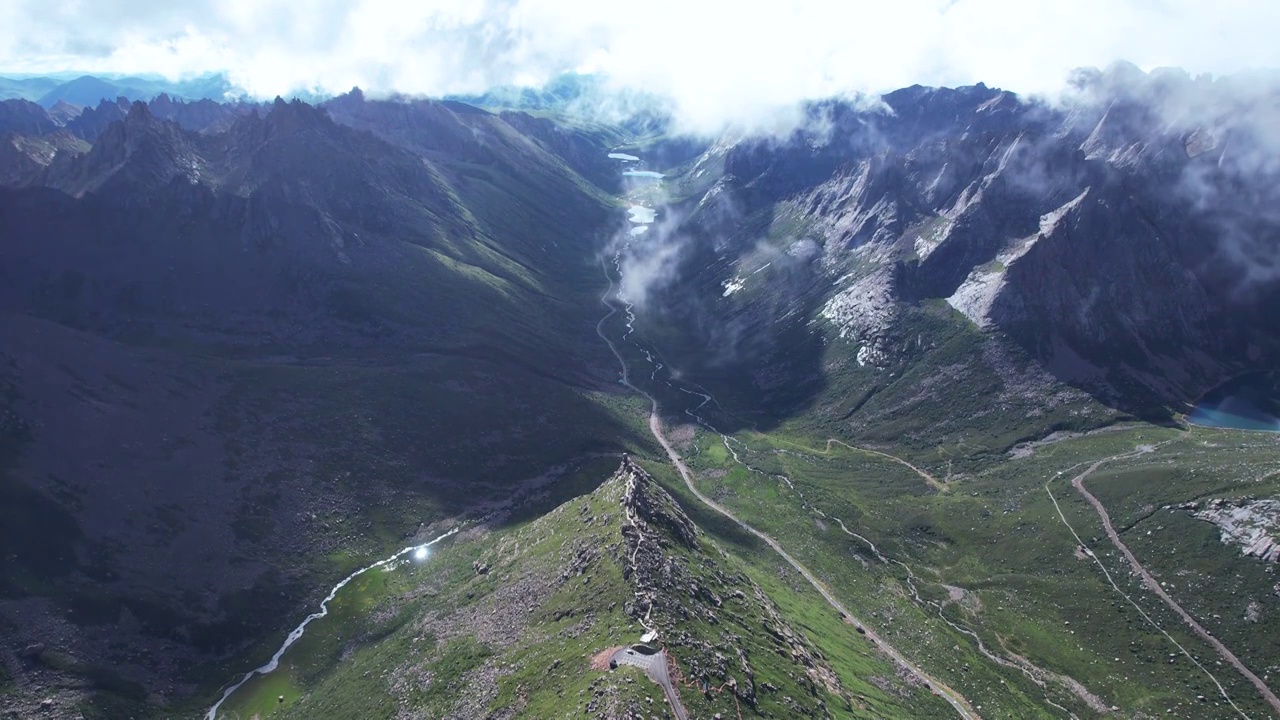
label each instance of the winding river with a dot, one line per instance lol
(419, 553)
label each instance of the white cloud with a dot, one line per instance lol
(718, 61)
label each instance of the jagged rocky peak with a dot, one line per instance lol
(646, 502)
(136, 152)
(294, 115)
(91, 122)
(139, 115)
(64, 112)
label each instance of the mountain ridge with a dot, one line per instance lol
(249, 349)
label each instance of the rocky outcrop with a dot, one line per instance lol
(647, 504)
(1251, 524)
(676, 584)
(864, 313)
(24, 159)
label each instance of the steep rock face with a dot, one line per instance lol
(137, 155)
(93, 120)
(24, 159)
(1125, 239)
(25, 117)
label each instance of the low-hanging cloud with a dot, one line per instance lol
(718, 62)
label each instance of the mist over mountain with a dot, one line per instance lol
(485, 390)
(1123, 238)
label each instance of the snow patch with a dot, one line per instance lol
(738, 281)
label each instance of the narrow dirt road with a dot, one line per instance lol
(956, 700)
(931, 480)
(656, 667)
(1078, 483)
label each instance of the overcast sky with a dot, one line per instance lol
(717, 60)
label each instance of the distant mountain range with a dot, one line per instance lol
(89, 90)
(571, 95)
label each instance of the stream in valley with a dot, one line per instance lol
(414, 553)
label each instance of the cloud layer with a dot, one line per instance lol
(718, 61)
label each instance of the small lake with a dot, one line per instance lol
(623, 156)
(1249, 402)
(644, 174)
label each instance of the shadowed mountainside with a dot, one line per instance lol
(237, 361)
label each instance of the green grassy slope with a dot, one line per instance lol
(508, 618)
(991, 555)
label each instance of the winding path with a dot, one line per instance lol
(955, 699)
(1150, 582)
(1078, 483)
(931, 480)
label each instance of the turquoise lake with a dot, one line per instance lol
(1249, 402)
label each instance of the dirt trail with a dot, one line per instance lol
(1078, 483)
(932, 481)
(956, 700)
